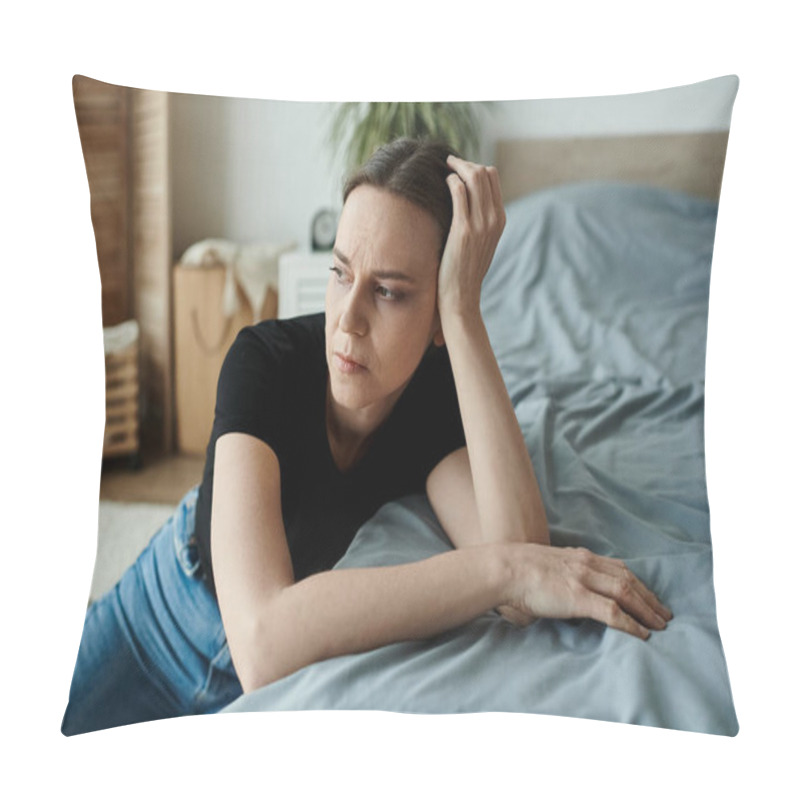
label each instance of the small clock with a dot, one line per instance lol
(323, 229)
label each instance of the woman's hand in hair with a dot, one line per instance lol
(478, 221)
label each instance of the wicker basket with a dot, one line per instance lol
(122, 390)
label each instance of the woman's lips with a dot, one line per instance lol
(346, 365)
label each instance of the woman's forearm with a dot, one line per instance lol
(509, 504)
(353, 610)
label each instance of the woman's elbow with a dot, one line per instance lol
(268, 648)
(255, 653)
(253, 679)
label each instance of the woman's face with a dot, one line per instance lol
(380, 305)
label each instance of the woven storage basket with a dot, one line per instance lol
(121, 344)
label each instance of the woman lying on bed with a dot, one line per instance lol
(319, 421)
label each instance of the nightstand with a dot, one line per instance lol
(302, 281)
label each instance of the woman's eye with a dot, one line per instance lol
(382, 291)
(390, 294)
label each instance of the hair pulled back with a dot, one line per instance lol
(415, 169)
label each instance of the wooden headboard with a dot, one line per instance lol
(688, 162)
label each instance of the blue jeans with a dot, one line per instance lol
(153, 646)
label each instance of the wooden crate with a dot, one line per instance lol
(122, 402)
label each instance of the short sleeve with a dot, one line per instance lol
(250, 390)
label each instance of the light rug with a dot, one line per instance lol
(124, 531)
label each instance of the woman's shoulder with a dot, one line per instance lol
(283, 340)
(271, 373)
(306, 329)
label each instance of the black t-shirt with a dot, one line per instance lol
(273, 385)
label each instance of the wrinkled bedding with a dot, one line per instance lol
(596, 305)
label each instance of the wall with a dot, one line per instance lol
(703, 106)
(258, 170)
(247, 170)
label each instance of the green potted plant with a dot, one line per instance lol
(360, 128)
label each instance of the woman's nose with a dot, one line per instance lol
(353, 318)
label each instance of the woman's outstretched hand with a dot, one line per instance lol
(568, 582)
(478, 222)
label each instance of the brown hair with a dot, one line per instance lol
(415, 169)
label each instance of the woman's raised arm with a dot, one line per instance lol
(505, 498)
(509, 505)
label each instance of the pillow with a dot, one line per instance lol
(604, 330)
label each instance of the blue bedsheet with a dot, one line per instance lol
(596, 304)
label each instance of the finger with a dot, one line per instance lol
(623, 590)
(497, 193)
(458, 191)
(460, 165)
(595, 606)
(476, 177)
(618, 568)
(606, 610)
(463, 169)
(469, 171)
(648, 596)
(497, 215)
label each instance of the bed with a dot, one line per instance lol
(601, 343)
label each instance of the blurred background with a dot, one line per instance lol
(211, 213)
